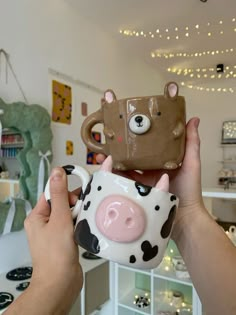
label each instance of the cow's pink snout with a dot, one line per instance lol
(120, 219)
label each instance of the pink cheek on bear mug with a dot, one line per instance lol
(122, 220)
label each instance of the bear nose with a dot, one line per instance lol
(138, 119)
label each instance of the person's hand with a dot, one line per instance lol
(56, 269)
(185, 182)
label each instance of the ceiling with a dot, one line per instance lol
(189, 27)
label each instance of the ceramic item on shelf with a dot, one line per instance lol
(180, 268)
(140, 132)
(142, 301)
(5, 175)
(181, 271)
(232, 233)
(176, 259)
(177, 299)
(90, 256)
(120, 219)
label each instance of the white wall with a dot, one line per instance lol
(51, 34)
(212, 109)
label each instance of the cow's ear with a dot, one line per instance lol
(107, 164)
(171, 90)
(163, 183)
(109, 96)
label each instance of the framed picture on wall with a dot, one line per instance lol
(91, 156)
(229, 132)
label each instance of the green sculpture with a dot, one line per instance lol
(33, 122)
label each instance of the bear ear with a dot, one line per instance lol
(109, 96)
(171, 90)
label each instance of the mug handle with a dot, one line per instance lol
(72, 170)
(86, 132)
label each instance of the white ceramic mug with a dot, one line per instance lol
(120, 219)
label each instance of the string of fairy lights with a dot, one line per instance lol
(177, 33)
(197, 54)
(206, 73)
(182, 32)
(208, 89)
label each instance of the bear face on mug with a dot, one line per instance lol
(140, 132)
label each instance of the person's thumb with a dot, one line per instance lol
(192, 153)
(59, 192)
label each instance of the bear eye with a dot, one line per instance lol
(121, 116)
(158, 113)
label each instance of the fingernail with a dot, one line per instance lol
(196, 122)
(57, 173)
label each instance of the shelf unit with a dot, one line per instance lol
(159, 285)
(11, 143)
(227, 174)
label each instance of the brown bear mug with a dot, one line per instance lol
(140, 132)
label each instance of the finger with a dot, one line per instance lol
(59, 193)
(100, 158)
(74, 196)
(42, 207)
(192, 150)
(39, 216)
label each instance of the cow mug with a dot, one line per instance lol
(140, 132)
(122, 220)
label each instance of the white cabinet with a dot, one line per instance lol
(160, 288)
(95, 291)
